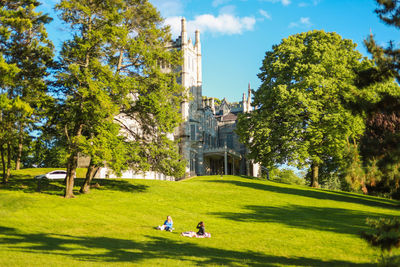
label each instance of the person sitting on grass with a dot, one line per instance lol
(200, 234)
(167, 226)
(201, 228)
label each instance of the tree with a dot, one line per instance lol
(155, 96)
(385, 235)
(301, 117)
(111, 75)
(379, 145)
(85, 80)
(387, 59)
(24, 43)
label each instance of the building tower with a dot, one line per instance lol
(192, 81)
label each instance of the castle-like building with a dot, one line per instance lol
(208, 139)
(208, 142)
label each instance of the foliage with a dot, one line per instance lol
(386, 236)
(217, 101)
(111, 79)
(387, 59)
(287, 176)
(301, 116)
(25, 44)
(380, 101)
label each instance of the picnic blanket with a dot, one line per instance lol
(194, 234)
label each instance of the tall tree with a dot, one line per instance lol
(111, 77)
(85, 80)
(300, 116)
(379, 145)
(24, 42)
(153, 108)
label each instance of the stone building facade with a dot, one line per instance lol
(208, 142)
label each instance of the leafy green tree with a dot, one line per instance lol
(301, 117)
(286, 176)
(24, 42)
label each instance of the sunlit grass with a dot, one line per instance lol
(252, 222)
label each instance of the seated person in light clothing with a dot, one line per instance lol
(167, 226)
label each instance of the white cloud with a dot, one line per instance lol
(284, 2)
(302, 23)
(230, 9)
(306, 4)
(224, 24)
(265, 14)
(216, 3)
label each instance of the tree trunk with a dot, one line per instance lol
(8, 174)
(72, 164)
(70, 179)
(3, 164)
(314, 175)
(20, 146)
(91, 171)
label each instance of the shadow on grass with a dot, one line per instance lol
(27, 184)
(317, 218)
(315, 193)
(105, 249)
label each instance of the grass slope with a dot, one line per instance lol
(252, 222)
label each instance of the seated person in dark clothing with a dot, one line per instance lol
(201, 228)
(200, 234)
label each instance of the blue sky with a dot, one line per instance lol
(235, 34)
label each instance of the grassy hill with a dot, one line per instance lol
(252, 222)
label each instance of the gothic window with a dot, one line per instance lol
(192, 161)
(229, 141)
(192, 132)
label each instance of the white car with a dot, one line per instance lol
(59, 174)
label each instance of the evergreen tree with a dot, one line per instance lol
(379, 145)
(111, 78)
(155, 96)
(387, 59)
(24, 42)
(85, 80)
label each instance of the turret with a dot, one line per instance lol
(249, 99)
(199, 63)
(213, 105)
(184, 32)
(244, 103)
(197, 40)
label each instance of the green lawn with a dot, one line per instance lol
(252, 222)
